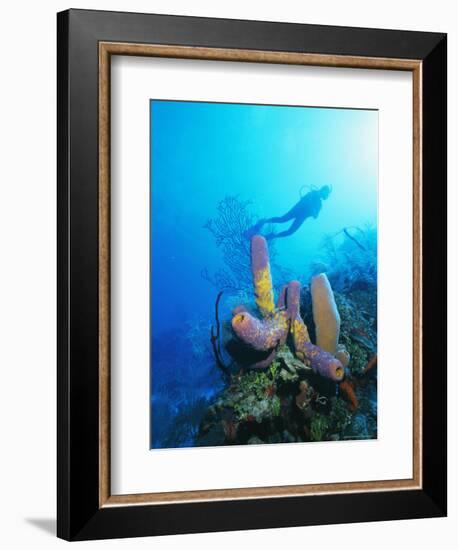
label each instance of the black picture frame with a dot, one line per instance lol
(79, 513)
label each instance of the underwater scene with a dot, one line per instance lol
(263, 274)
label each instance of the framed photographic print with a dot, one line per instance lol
(252, 274)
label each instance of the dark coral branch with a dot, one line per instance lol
(218, 298)
(354, 239)
(215, 340)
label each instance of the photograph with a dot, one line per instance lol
(263, 274)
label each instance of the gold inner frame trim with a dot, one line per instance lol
(106, 50)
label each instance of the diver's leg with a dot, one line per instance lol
(254, 229)
(258, 225)
(285, 218)
(292, 229)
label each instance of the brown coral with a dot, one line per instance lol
(348, 391)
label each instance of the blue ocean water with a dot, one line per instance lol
(265, 158)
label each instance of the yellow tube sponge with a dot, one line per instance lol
(325, 314)
(262, 279)
(300, 336)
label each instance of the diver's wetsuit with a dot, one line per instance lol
(308, 207)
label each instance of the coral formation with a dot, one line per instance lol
(319, 427)
(272, 330)
(301, 363)
(261, 335)
(325, 314)
(348, 390)
(321, 361)
(342, 355)
(262, 279)
(297, 326)
(265, 334)
(229, 228)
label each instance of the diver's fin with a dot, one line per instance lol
(254, 229)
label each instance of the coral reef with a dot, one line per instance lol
(281, 405)
(298, 369)
(309, 408)
(291, 390)
(358, 327)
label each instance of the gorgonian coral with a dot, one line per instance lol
(231, 230)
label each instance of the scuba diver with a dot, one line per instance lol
(309, 206)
